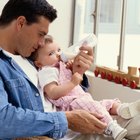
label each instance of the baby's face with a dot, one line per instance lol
(49, 54)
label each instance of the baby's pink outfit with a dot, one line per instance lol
(79, 99)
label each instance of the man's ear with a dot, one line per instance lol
(38, 64)
(21, 21)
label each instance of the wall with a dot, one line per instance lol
(2, 3)
(103, 89)
(61, 28)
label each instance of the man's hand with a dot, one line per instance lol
(85, 122)
(83, 60)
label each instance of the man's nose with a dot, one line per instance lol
(41, 42)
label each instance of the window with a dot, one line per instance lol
(132, 37)
(117, 26)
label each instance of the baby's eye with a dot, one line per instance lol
(59, 50)
(51, 53)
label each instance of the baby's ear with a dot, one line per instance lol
(38, 64)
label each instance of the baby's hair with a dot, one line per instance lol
(48, 40)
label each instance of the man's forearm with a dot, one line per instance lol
(17, 122)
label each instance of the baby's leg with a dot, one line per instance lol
(125, 110)
(113, 128)
(111, 105)
(114, 109)
(87, 103)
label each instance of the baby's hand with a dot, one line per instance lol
(69, 64)
(76, 78)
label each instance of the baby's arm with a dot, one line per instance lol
(55, 91)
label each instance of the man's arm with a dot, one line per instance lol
(83, 61)
(85, 122)
(85, 83)
(19, 122)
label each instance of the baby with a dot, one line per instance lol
(62, 88)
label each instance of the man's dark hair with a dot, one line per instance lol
(30, 9)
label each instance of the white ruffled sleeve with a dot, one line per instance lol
(47, 75)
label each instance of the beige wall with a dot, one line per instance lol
(2, 3)
(61, 27)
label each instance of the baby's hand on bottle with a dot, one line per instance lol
(69, 64)
(77, 78)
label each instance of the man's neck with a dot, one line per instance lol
(7, 40)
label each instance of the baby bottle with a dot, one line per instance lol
(72, 51)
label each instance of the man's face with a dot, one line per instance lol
(31, 37)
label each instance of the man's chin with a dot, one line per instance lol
(26, 56)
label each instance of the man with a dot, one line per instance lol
(23, 25)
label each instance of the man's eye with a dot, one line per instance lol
(51, 53)
(41, 35)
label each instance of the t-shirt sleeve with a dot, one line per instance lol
(47, 75)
